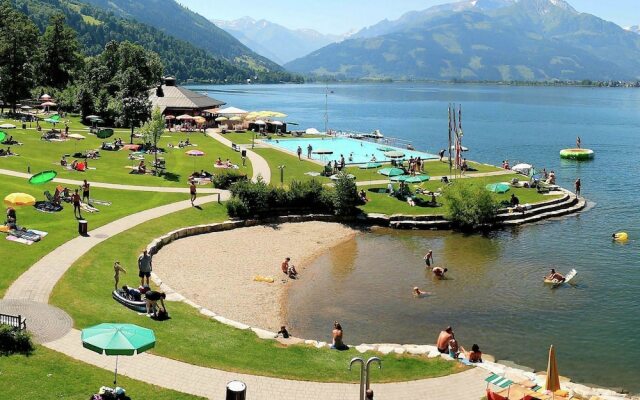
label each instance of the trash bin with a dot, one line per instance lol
(83, 227)
(236, 390)
(243, 153)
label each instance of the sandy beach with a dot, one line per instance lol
(216, 270)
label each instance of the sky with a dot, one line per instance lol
(340, 16)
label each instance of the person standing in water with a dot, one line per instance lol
(578, 186)
(428, 258)
(578, 142)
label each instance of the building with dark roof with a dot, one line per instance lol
(176, 100)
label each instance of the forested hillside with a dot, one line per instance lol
(96, 28)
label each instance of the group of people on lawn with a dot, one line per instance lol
(151, 297)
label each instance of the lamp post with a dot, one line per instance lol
(281, 168)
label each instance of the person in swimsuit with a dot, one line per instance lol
(578, 142)
(117, 268)
(428, 258)
(145, 266)
(443, 340)
(284, 332)
(419, 293)
(554, 276)
(75, 199)
(578, 186)
(151, 299)
(439, 272)
(337, 343)
(454, 348)
(475, 355)
(85, 191)
(192, 190)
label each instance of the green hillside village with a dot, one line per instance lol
(157, 232)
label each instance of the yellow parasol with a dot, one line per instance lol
(200, 120)
(553, 379)
(271, 114)
(19, 199)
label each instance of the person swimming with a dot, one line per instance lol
(419, 293)
(439, 272)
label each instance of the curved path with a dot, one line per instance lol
(115, 186)
(34, 287)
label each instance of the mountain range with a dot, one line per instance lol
(218, 58)
(274, 41)
(634, 29)
(501, 40)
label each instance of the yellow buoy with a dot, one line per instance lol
(620, 236)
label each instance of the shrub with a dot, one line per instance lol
(236, 208)
(256, 199)
(469, 205)
(14, 341)
(224, 180)
(345, 199)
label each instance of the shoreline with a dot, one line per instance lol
(220, 274)
(509, 369)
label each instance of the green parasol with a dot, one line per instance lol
(417, 179)
(400, 178)
(391, 171)
(371, 165)
(42, 177)
(498, 187)
(118, 340)
(3, 136)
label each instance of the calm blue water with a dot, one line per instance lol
(354, 151)
(495, 297)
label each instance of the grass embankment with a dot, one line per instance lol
(47, 374)
(62, 226)
(380, 201)
(84, 292)
(114, 166)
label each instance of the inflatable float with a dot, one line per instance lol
(577, 154)
(620, 236)
(139, 306)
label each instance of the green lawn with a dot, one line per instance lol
(47, 374)
(62, 226)
(190, 337)
(112, 166)
(380, 202)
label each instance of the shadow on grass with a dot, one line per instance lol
(171, 177)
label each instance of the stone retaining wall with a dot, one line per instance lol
(430, 351)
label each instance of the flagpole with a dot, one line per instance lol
(449, 148)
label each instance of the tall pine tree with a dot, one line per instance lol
(60, 58)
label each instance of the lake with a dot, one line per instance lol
(495, 296)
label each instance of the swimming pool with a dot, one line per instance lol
(354, 151)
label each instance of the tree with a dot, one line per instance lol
(152, 131)
(346, 195)
(469, 205)
(17, 36)
(60, 59)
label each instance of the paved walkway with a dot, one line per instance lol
(259, 164)
(47, 323)
(116, 186)
(211, 383)
(33, 288)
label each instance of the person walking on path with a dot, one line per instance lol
(192, 190)
(578, 186)
(75, 199)
(85, 191)
(145, 267)
(117, 268)
(428, 258)
(299, 153)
